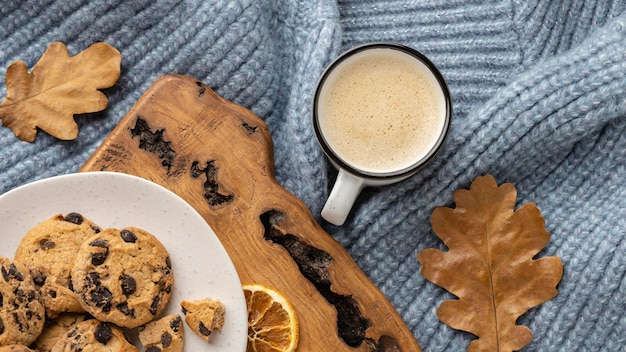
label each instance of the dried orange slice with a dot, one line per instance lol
(272, 321)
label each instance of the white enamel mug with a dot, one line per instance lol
(381, 112)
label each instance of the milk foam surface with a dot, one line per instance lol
(381, 110)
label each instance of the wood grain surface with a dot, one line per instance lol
(218, 156)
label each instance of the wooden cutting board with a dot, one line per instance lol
(218, 156)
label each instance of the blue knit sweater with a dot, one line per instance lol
(538, 93)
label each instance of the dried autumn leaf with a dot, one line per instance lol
(58, 87)
(489, 264)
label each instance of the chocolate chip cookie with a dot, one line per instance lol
(48, 250)
(94, 336)
(164, 335)
(123, 276)
(22, 315)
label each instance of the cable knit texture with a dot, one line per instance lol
(538, 94)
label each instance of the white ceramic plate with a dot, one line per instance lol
(201, 265)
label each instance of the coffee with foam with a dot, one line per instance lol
(381, 111)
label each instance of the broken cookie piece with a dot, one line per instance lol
(163, 335)
(203, 316)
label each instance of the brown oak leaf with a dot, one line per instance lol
(57, 88)
(490, 264)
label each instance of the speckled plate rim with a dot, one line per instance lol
(202, 267)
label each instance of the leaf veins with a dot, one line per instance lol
(489, 264)
(58, 87)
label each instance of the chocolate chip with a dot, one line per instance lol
(19, 293)
(98, 258)
(31, 295)
(103, 333)
(74, 218)
(175, 324)
(5, 274)
(203, 329)
(52, 293)
(128, 285)
(99, 243)
(46, 244)
(16, 320)
(93, 279)
(168, 262)
(123, 307)
(128, 236)
(1, 326)
(12, 272)
(1, 300)
(166, 339)
(96, 229)
(16, 273)
(39, 279)
(153, 349)
(155, 305)
(102, 297)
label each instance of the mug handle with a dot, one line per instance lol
(345, 191)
